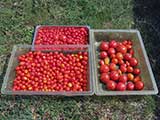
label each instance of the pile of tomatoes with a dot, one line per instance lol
(119, 67)
(61, 35)
(51, 71)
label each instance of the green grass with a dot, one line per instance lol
(17, 21)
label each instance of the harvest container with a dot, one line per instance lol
(55, 27)
(97, 36)
(21, 49)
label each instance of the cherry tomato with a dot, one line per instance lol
(119, 55)
(130, 76)
(123, 78)
(127, 56)
(130, 86)
(114, 60)
(122, 49)
(137, 78)
(101, 62)
(129, 69)
(121, 86)
(136, 71)
(104, 69)
(120, 62)
(112, 44)
(139, 85)
(111, 85)
(111, 51)
(133, 62)
(123, 68)
(112, 67)
(104, 46)
(104, 77)
(114, 75)
(103, 54)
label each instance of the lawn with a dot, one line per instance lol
(17, 21)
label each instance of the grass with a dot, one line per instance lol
(17, 21)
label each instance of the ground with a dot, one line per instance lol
(17, 21)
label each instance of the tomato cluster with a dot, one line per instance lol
(52, 71)
(119, 67)
(61, 35)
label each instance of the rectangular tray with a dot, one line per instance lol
(21, 49)
(140, 53)
(39, 26)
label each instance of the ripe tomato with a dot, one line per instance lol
(114, 75)
(130, 86)
(113, 44)
(127, 56)
(104, 77)
(123, 78)
(119, 55)
(139, 85)
(114, 60)
(131, 51)
(111, 85)
(101, 62)
(123, 68)
(112, 56)
(137, 78)
(111, 51)
(104, 69)
(122, 49)
(103, 54)
(130, 76)
(112, 67)
(136, 71)
(129, 69)
(133, 62)
(104, 46)
(120, 62)
(107, 60)
(121, 86)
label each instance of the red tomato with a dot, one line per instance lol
(130, 76)
(119, 55)
(121, 86)
(133, 62)
(120, 62)
(137, 78)
(129, 69)
(139, 85)
(136, 71)
(111, 51)
(123, 78)
(103, 54)
(122, 49)
(112, 67)
(113, 44)
(127, 56)
(104, 77)
(104, 46)
(129, 47)
(131, 51)
(114, 60)
(111, 85)
(123, 68)
(112, 56)
(101, 62)
(104, 69)
(130, 86)
(114, 75)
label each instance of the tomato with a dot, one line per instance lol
(111, 85)
(101, 62)
(114, 60)
(121, 86)
(130, 76)
(123, 68)
(112, 44)
(103, 54)
(112, 56)
(127, 56)
(112, 67)
(107, 60)
(104, 46)
(133, 62)
(130, 86)
(119, 55)
(111, 51)
(131, 51)
(104, 77)
(122, 49)
(137, 78)
(120, 62)
(123, 78)
(104, 68)
(129, 47)
(139, 85)
(136, 71)
(129, 69)
(114, 75)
